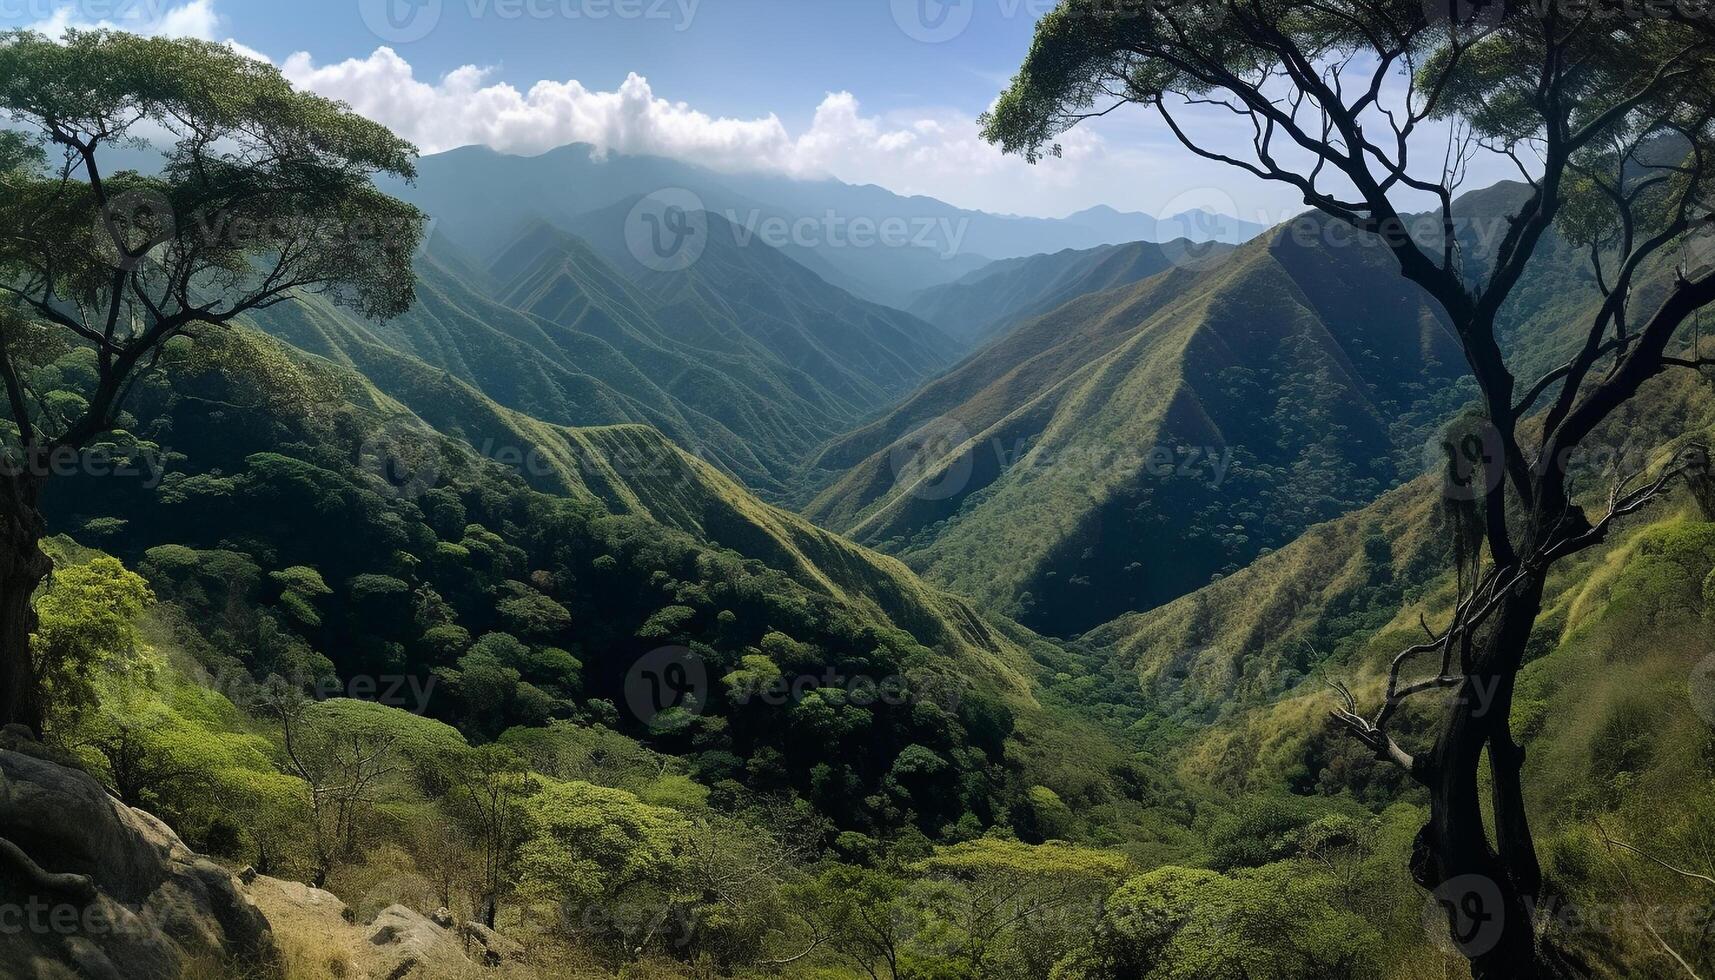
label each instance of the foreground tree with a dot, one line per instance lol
(264, 193)
(483, 790)
(1612, 108)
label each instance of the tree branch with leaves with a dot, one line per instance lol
(264, 193)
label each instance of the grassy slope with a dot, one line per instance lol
(1001, 295)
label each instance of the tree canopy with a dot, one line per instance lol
(263, 192)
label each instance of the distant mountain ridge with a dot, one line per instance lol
(480, 198)
(1197, 225)
(987, 302)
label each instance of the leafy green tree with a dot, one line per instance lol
(345, 752)
(991, 890)
(599, 851)
(529, 613)
(1185, 924)
(863, 915)
(491, 692)
(265, 193)
(1617, 116)
(300, 588)
(483, 789)
(88, 615)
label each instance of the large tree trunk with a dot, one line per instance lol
(23, 567)
(1489, 890)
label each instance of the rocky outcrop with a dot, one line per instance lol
(410, 944)
(91, 888)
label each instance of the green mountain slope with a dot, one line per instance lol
(317, 528)
(1000, 295)
(1613, 707)
(1121, 450)
(741, 291)
(751, 362)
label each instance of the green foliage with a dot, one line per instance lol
(87, 623)
(588, 844)
(1280, 921)
(264, 191)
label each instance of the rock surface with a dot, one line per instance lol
(411, 944)
(96, 889)
(490, 947)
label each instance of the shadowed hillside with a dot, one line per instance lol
(1121, 450)
(997, 297)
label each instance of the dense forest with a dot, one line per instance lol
(404, 575)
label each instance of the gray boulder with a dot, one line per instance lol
(411, 945)
(100, 890)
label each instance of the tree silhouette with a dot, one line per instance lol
(1607, 116)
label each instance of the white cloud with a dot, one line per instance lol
(196, 19)
(936, 153)
(939, 153)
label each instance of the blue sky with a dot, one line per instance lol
(730, 57)
(868, 91)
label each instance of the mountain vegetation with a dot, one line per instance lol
(990, 301)
(745, 358)
(1620, 123)
(1123, 449)
(432, 603)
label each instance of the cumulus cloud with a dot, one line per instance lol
(938, 153)
(195, 19)
(930, 153)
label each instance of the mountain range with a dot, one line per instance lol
(747, 358)
(1127, 446)
(869, 241)
(1112, 516)
(1035, 433)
